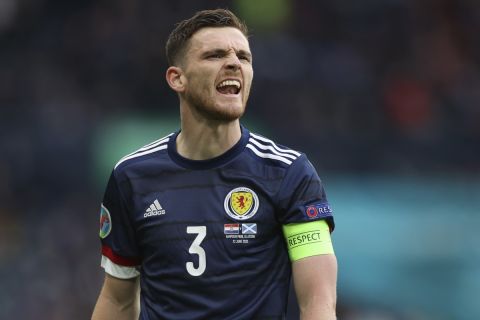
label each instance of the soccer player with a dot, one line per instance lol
(212, 221)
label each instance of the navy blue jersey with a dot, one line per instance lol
(205, 236)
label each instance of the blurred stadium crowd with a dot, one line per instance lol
(360, 86)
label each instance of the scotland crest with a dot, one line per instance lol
(241, 203)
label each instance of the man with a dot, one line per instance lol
(212, 221)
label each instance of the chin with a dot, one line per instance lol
(227, 115)
(222, 110)
(223, 113)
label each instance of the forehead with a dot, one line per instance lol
(219, 38)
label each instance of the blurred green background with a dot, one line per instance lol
(382, 95)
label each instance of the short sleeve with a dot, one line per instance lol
(302, 196)
(117, 235)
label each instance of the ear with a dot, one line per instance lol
(175, 79)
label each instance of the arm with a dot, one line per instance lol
(315, 281)
(118, 299)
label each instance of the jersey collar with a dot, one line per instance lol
(209, 163)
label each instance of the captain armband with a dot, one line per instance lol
(307, 239)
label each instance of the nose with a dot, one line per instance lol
(233, 63)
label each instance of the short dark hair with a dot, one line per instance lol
(184, 30)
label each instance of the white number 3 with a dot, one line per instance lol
(195, 248)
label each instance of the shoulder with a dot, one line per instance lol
(265, 149)
(146, 152)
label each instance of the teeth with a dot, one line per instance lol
(229, 83)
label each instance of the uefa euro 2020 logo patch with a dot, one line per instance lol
(241, 203)
(105, 222)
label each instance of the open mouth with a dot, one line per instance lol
(229, 87)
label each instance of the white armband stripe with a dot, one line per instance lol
(118, 271)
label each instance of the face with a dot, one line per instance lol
(217, 72)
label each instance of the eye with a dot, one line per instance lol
(215, 56)
(244, 58)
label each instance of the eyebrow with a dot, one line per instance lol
(224, 52)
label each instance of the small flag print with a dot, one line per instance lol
(249, 228)
(231, 228)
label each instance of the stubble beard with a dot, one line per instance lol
(206, 107)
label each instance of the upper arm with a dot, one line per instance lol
(122, 291)
(307, 220)
(119, 299)
(315, 280)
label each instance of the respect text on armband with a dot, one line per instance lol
(303, 238)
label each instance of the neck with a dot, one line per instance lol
(202, 140)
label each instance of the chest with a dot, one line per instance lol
(220, 215)
(226, 208)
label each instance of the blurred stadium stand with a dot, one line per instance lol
(383, 95)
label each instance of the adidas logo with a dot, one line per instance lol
(155, 209)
